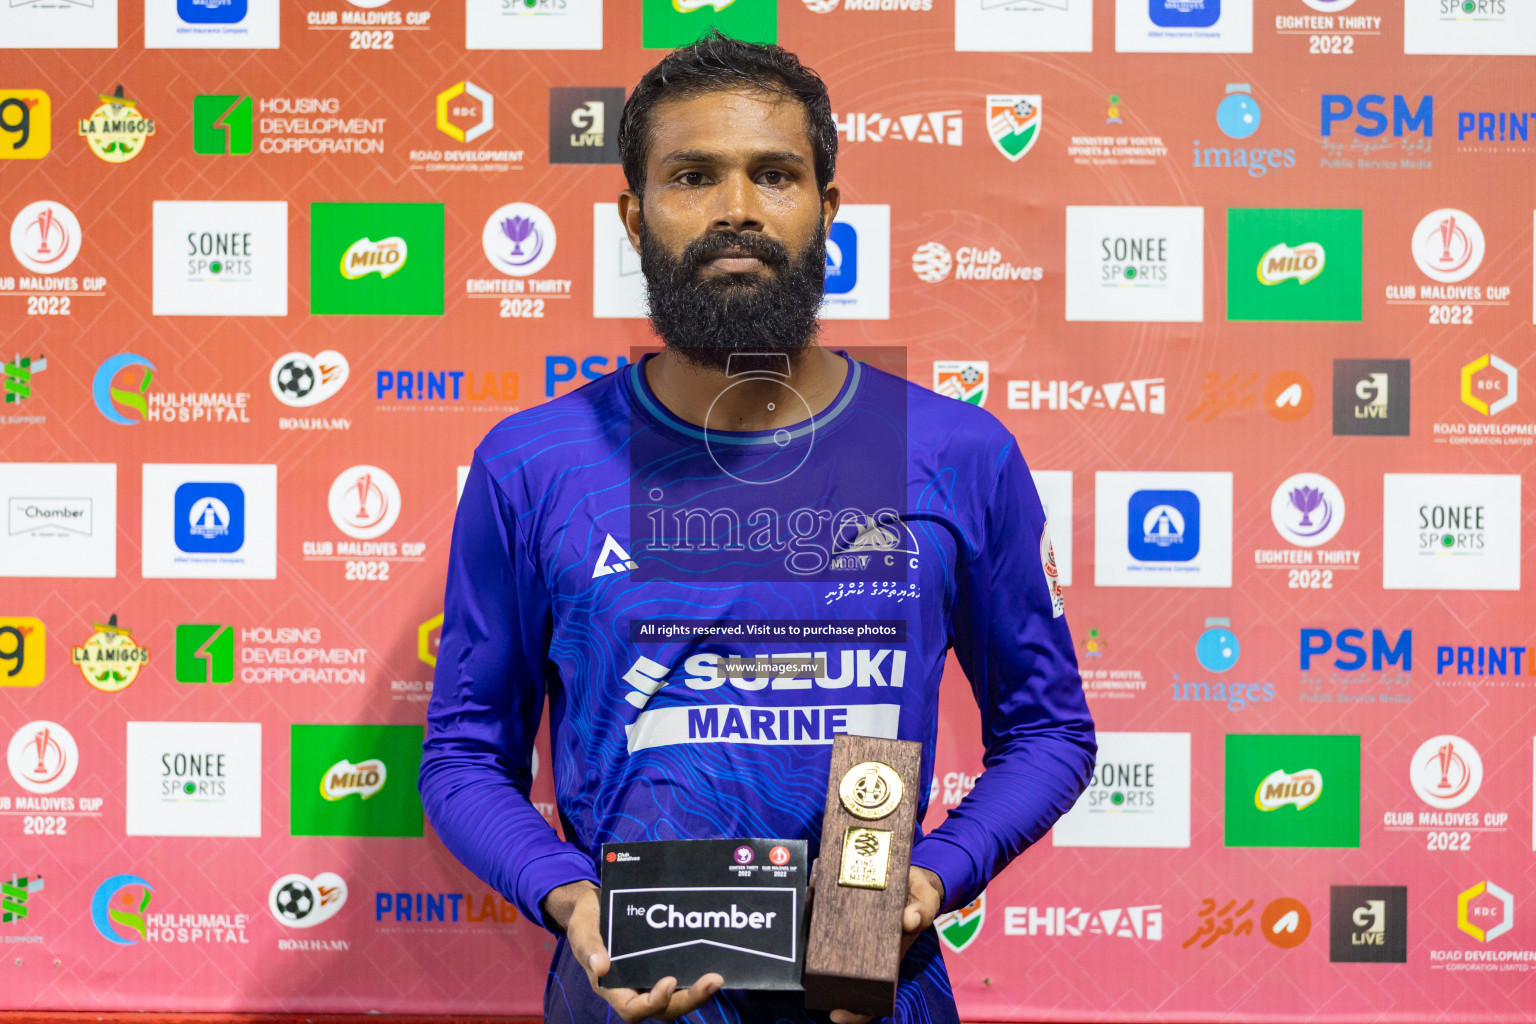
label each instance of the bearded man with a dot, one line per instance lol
(742, 474)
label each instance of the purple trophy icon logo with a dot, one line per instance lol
(519, 230)
(1308, 500)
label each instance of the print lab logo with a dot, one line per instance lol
(298, 901)
(45, 236)
(364, 502)
(1368, 924)
(42, 757)
(301, 380)
(117, 909)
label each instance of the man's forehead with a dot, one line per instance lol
(730, 123)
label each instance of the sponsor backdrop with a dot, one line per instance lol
(1250, 281)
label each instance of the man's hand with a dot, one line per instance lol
(925, 895)
(574, 908)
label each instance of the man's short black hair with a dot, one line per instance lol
(719, 63)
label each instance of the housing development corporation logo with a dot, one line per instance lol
(222, 125)
(118, 906)
(1292, 790)
(205, 653)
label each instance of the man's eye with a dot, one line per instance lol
(773, 177)
(691, 177)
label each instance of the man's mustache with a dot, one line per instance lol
(773, 253)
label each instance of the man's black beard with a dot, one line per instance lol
(704, 319)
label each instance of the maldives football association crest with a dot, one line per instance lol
(959, 928)
(1013, 124)
(965, 379)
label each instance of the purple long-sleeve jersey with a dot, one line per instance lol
(599, 537)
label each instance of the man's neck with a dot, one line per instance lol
(759, 400)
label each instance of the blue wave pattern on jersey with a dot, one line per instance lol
(547, 571)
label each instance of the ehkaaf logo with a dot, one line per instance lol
(936, 127)
(1368, 924)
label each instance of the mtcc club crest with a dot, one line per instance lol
(1013, 124)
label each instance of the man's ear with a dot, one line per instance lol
(831, 201)
(629, 213)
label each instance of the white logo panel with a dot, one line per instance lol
(1136, 263)
(1055, 489)
(194, 779)
(60, 519)
(1450, 531)
(569, 25)
(1484, 27)
(90, 25)
(1162, 529)
(1138, 796)
(1184, 26)
(221, 258)
(1024, 26)
(211, 24)
(210, 522)
(618, 286)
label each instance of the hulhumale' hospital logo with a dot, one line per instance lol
(110, 401)
(118, 908)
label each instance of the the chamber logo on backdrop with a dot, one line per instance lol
(858, 272)
(23, 651)
(1294, 265)
(667, 24)
(117, 130)
(1368, 924)
(534, 25)
(211, 24)
(1014, 123)
(376, 258)
(1451, 531)
(965, 379)
(1163, 529)
(1024, 26)
(1371, 397)
(584, 123)
(1184, 26)
(220, 258)
(1138, 795)
(193, 779)
(60, 519)
(339, 779)
(935, 127)
(205, 653)
(216, 521)
(1135, 263)
(72, 25)
(110, 659)
(1239, 116)
(1292, 790)
(26, 122)
(1469, 27)
(1376, 132)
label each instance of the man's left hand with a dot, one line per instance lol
(925, 895)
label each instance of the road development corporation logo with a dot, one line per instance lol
(118, 906)
(1485, 911)
(364, 502)
(1013, 123)
(1292, 790)
(1368, 924)
(1138, 795)
(1489, 384)
(42, 757)
(110, 660)
(1446, 771)
(958, 929)
(450, 106)
(302, 380)
(966, 379)
(298, 901)
(1448, 245)
(116, 130)
(519, 239)
(45, 236)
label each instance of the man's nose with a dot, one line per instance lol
(738, 208)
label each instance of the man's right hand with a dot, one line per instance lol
(575, 909)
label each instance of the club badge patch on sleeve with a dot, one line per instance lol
(1052, 578)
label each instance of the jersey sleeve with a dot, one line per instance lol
(1010, 636)
(487, 697)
